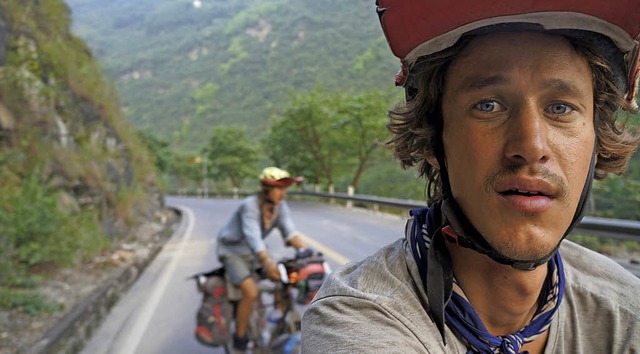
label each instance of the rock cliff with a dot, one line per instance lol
(75, 179)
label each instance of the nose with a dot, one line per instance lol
(526, 137)
(279, 194)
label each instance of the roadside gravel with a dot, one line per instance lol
(67, 288)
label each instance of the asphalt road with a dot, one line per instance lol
(157, 315)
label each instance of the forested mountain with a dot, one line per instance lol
(183, 66)
(187, 67)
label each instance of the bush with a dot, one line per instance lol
(34, 232)
(27, 300)
(30, 222)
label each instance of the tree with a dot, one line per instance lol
(619, 196)
(326, 135)
(364, 129)
(231, 154)
(158, 149)
(304, 139)
(181, 172)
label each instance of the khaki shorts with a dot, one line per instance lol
(238, 268)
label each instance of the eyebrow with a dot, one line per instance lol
(564, 86)
(481, 82)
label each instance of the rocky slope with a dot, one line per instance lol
(77, 184)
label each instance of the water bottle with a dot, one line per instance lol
(292, 346)
(272, 321)
(201, 280)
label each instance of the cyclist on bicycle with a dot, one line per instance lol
(510, 114)
(241, 248)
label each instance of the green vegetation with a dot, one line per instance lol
(324, 136)
(27, 299)
(36, 232)
(73, 174)
(295, 74)
(231, 154)
(605, 246)
(239, 84)
(166, 55)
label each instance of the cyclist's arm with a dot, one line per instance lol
(287, 227)
(296, 241)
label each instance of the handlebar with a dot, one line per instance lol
(305, 261)
(284, 275)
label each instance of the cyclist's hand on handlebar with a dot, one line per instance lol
(296, 241)
(304, 253)
(272, 271)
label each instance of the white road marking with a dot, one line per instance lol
(142, 321)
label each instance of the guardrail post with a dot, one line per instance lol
(332, 190)
(235, 192)
(205, 184)
(350, 192)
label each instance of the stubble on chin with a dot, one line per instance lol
(534, 244)
(526, 247)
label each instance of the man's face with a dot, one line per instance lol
(276, 194)
(518, 138)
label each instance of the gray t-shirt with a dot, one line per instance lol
(243, 232)
(378, 306)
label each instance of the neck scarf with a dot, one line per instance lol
(448, 301)
(268, 212)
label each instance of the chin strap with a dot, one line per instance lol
(466, 235)
(427, 229)
(433, 261)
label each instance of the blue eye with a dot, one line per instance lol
(560, 108)
(487, 106)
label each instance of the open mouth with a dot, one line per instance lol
(522, 193)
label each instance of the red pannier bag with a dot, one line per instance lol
(215, 314)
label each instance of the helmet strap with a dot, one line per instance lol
(468, 236)
(264, 195)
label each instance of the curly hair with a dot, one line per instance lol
(416, 125)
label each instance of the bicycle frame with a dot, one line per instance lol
(281, 298)
(287, 299)
(280, 294)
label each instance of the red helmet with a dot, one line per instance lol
(416, 28)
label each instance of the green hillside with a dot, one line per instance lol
(184, 68)
(252, 54)
(75, 179)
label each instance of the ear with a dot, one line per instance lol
(431, 159)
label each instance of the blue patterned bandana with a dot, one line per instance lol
(448, 302)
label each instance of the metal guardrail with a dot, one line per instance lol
(603, 227)
(612, 228)
(368, 199)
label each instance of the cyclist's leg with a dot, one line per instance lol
(239, 270)
(245, 306)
